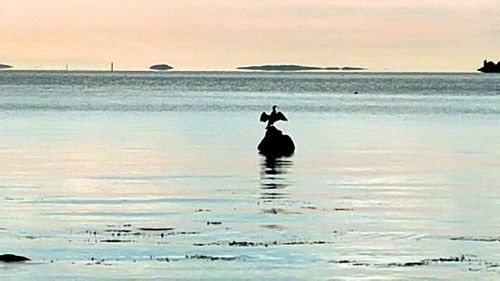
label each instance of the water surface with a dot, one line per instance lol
(153, 175)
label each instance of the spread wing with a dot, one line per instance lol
(281, 116)
(264, 117)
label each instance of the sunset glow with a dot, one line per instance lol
(403, 35)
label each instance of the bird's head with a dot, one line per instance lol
(274, 107)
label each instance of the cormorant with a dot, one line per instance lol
(273, 117)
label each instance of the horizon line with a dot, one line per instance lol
(237, 70)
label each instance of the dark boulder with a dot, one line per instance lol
(275, 144)
(12, 258)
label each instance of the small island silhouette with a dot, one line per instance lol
(294, 67)
(161, 67)
(490, 67)
(5, 66)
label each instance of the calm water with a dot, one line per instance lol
(157, 176)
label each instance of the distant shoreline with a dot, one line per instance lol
(234, 71)
(5, 66)
(294, 67)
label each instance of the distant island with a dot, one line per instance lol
(352, 68)
(293, 67)
(490, 67)
(281, 67)
(161, 67)
(5, 66)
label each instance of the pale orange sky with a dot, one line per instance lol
(438, 35)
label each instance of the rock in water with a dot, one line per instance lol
(276, 144)
(12, 258)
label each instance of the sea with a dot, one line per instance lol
(157, 176)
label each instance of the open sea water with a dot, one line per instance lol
(143, 175)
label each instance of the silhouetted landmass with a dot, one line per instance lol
(352, 68)
(281, 67)
(12, 258)
(161, 67)
(490, 67)
(275, 144)
(293, 67)
(5, 66)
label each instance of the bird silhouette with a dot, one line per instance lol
(273, 117)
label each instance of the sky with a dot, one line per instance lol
(393, 35)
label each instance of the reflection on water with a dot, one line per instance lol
(273, 179)
(275, 168)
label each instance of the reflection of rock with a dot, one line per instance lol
(275, 144)
(12, 258)
(275, 168)
(273, 182)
